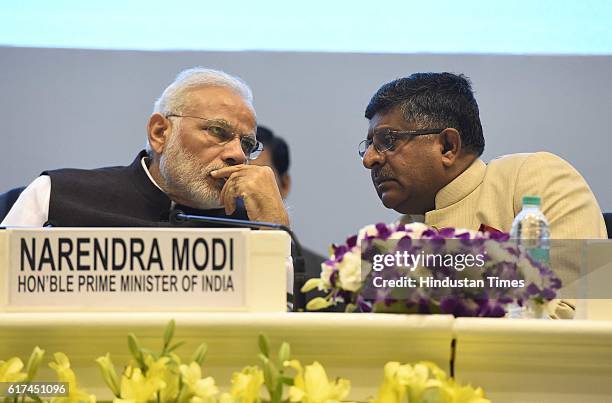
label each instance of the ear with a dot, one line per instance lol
(450, 146)
(158, 130)
(284, 185)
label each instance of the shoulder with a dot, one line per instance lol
(84, 172)
(541, 164)
(86, 177)
(527, 159)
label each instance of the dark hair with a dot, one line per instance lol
(434, 99)
(279, 150)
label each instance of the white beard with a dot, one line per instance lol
(186, 177)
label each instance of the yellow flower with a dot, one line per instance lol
(203, 390)
(467, 394)
(227, 398)
(109, 374)
(313, 386)
(168, 372)
(311, 284)
(10, 371)
(318, 303)
(246, 385)
(423, 382)
(137, 387)
(34, 362)
(61, 365)
(391, 390)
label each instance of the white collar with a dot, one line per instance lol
(146, 169)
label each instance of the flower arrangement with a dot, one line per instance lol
(434, 275)
(164, 377)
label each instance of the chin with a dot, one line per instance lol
(400, 206)
(389, 203)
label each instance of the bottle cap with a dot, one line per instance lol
(532, 200)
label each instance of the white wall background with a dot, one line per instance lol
(88, 108)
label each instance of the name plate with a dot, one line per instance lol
(137, 269)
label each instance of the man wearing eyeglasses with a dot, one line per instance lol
(423, 148)
(200, 138)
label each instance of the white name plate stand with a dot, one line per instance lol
(138, 269)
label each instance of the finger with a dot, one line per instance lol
(228, 196)
(226, 171)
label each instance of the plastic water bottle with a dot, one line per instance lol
(530, 229)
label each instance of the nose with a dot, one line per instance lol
(232, 153)
(372, 158)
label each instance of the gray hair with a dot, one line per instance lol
(173, 99)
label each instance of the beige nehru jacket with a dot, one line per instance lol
(492, 195)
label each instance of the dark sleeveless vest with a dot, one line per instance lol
(121, 196)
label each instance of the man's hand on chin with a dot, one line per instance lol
(257, 187)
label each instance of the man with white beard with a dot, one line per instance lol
(201, 136)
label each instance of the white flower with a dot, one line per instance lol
(326, 272)
(529, 271)
(350, 271)
(368, 230)
(498, 253)
(415, 229)
(400, 235)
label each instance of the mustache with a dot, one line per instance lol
(381, 174)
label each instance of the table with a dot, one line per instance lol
(354, 346)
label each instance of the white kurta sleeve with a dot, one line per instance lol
(31, 209)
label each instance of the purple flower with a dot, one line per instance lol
(383, 231)
(484, 301)
(532, 289)
(363, 305)
(339, 251)
(351, 242)
(446, 232)
(404, 244)
(548, 294)
(463, 236)
(428, 233)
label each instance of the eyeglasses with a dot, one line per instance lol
(386, 139)
(249, 144)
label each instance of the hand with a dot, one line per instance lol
(257, 187)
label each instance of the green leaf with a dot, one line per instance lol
(264, 345)
(267, 374)
(284, 353)
(169, 333)
(273, 372)
(200, 354)
(34, 362)
(174, 347)
(35, 398)
(286, 380)
(153, 354)
(135, 349)
(265, 360)
(278, 393)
